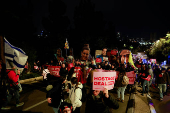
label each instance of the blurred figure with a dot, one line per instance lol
(121, 87)
(45, 73)
(162, 80)
(100, 102)
(66, 108)
(55, 96)
(75, 94)
(13, 89)
(63, 70)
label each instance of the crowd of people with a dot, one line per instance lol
(75, 86)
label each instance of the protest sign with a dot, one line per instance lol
(54, 70)
(103, 80)
(98, 60)
(117, 73)
(132, 76)
(114, 52)
(76, 70)
(153, 61)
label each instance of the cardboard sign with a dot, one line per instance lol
(103, 80)
(98, 60)
(54, 70)
(132, 76)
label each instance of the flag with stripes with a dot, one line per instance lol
(15, 57)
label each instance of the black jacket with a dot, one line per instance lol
(56, 94)
(63, 71)
(162, 79)
(100, 104)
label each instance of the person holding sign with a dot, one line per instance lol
(121, 86)
(162, 80)
(100, 102)
(145, 75)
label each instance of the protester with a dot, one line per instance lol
(65, 108)
(144, 74)
(113, 67)
(150, 73)
(75, 94)
(63, 70)
(103, 55)
(13, 89)
(100, 102)
(120, 87)
(44, 74)
(162, 80)
(55, 96)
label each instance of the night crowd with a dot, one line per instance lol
(66, 93)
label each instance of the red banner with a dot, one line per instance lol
(132, 76)
(148, 78)
(54, 70)
(113, 52)
(76, 70)
(70, 66)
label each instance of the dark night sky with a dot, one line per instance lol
(135, 18)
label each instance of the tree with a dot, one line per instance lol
(57, 24)
(16, 21)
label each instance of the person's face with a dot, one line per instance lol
(77, 62)
(104, 52)
(85, 54)
(163, 71)
(63, 65)
(58, 52)
(67, 110)
(113, 66)
(92, 62)
(96, 92)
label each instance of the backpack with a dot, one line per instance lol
(125, 80)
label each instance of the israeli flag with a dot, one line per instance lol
(14, 56)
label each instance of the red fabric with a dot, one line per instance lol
(70, 66)
(143, 74)
(160, 75)
(114, 52)
(148, 78)
(12, 76)
(81, 78)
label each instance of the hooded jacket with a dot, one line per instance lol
(12, 76)
(75, 95)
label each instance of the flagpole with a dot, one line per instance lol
(2, 58)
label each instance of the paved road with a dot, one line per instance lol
(160, 106)
(34, 96)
